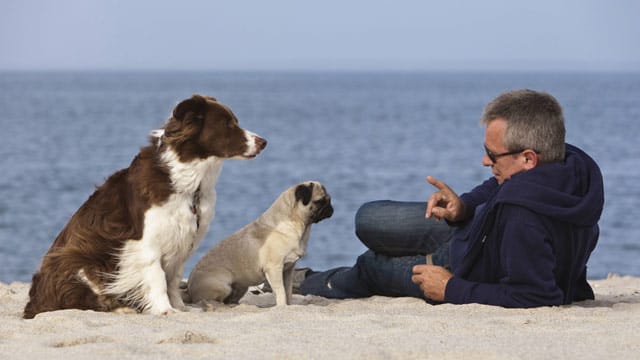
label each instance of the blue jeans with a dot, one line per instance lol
(398, 237)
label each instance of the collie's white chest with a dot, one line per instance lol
(176, 227)
(172, 232)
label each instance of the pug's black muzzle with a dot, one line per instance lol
(323, 212)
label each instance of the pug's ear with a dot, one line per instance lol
(303, 193)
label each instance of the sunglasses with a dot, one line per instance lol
(493, 157)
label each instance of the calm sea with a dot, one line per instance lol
(366, 136)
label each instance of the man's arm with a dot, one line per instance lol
(479, 194)
(432, 280)
(446, 204)
(527, 262)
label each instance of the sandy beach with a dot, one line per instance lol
(319, 328)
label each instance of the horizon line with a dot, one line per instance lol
(324, 70)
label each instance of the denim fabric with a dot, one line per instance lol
(373, 274)
(398, 228)
(398, 236)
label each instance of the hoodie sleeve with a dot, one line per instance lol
(478, 195)
(526, 262)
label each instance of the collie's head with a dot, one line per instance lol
(201, 127)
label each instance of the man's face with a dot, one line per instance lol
(504, 166)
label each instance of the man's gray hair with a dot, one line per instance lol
(534, 121)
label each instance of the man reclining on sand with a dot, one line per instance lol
(520, 239)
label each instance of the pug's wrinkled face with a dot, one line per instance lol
(315, 200)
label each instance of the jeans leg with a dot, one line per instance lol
(373, 274)
(398, 228)
(440, 257)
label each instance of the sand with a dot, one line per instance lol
(319, 328)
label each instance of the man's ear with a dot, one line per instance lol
(530, 159)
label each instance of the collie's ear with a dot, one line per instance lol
(303, 193)
(197, 105)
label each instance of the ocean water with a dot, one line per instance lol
(366, 136)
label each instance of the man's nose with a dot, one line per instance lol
(486, 161)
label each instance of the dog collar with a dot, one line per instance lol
(195, 207)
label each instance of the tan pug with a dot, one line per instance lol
(266, 248)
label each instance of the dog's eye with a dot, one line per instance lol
(320, 202)
(231, 123)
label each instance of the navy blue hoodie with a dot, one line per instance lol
(530, 238)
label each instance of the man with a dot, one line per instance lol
(520, 239)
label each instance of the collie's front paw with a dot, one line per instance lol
(163, 311)
(170, 311)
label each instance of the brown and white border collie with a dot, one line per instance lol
(127, 244)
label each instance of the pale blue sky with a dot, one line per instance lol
(321, 35)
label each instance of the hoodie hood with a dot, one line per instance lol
(571, 191)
